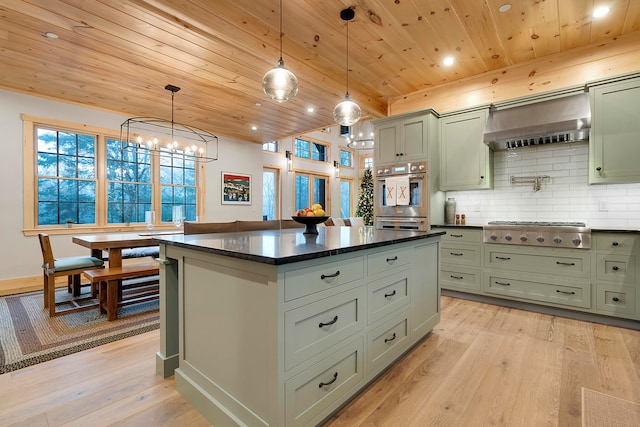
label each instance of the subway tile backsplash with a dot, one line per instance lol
(564, 196)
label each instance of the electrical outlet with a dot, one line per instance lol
(603, 206)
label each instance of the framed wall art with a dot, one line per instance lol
(236, 188)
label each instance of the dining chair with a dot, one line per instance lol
(72, 267)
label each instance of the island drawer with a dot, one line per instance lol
(306, 281)
(617, 268)
(312, 394)
(317, 326)
(384, 261)
(386, 295)
(461, 235)
(577, 294)
(387, 341)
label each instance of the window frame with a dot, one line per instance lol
(326, 145)
(312, 175)
(352, 202)
(351, 156)
(30, 176)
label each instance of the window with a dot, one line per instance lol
(270, 193)
(310, 189)
(346, 187)
(66, 177)
(366, 161)
(345, 158)
(82, 176)
(273, 146)
(128, 184)
(311, 150)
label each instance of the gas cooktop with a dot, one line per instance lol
(538, 233)
(540, 223)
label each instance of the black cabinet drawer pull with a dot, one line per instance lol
(335, 319)
(455, 254)
(615, 244)
(615, 268)
(565, 263)
(565, 292)
(504, 258)
(616, 299)
(391, 294)
(455, 235)
(503, 283)
(395, 258)
(386, 340)
(335, 377)
(456, 277)
(329, 276)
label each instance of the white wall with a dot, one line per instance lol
(567, 196)
(19, 255)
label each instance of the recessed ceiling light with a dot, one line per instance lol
(51, 35)
(258, 104)
(310, 110)
(505, 7)
(601, 11)
(448, 61)
(254, 127)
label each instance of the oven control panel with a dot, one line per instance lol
(402, 169)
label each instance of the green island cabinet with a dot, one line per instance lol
(405, 137)
(465, 160)
(614, 143)
(286, 345)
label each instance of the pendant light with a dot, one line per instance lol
(347, 112)
(280, 84)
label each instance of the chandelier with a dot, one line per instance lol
(347, 112)
(280, 84)
(363, 137)
(160, 137)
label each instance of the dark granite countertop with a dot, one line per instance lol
(287, 246)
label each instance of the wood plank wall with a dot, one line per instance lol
(617, 56)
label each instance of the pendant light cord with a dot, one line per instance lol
(347, 57)
(280, 31)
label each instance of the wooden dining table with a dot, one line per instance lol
(114, 243)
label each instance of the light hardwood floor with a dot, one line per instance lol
(482, 365)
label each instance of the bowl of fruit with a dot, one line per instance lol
(311, 217)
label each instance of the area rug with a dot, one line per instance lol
(604, 410)
(29, 336)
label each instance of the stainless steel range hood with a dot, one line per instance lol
(563, 119)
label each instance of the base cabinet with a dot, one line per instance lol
(461, 254)
(616, 272)
(603, 280)
(286, 345)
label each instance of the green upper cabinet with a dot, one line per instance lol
(403, 138)
(614, 143)
(465, 160)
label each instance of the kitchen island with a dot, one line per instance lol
(279, 328)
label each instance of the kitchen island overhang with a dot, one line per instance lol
(276, 328)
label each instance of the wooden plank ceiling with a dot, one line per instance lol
(118, 55)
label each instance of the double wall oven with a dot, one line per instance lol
(401, 197)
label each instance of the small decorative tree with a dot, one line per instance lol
(365, 200)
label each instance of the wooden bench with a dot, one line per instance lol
(111, 288)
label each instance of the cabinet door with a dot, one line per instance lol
(465, 160)
(413, 141)
(387, 137)
(614, 147)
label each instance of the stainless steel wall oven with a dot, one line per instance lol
(401, 197)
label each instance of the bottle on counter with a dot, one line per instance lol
(462, 220)
(450, 211)
(457, 219)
